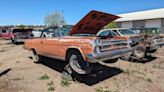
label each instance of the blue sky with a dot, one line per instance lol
(17, 12)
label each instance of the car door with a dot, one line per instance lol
(51, 44)
(38, 45)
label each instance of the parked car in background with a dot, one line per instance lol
(36, 33)
(141, 45)
(6, 34)
(79, 46)
(20, 35)
(152, 38)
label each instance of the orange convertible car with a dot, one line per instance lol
(79, 46)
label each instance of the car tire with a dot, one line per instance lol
(139, 51)
(36, 58)
(71, 75)
(13, 41)
(77, 64)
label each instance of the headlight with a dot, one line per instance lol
(97, 42)
(129, 41)
(154, 42)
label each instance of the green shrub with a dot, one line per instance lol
(101, 89)
(51, 89)
(65, 83)
(44, 77)
(50, 83)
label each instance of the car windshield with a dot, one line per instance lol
(65, 30)
(126, 32)
(57, 31)
(108, 33)
(61, 31)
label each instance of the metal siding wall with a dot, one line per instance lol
(126, 24)
(162, 26)
(162, 22)
(162, 30)
(139, 24)
(153, 23)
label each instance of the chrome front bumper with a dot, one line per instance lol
(157, 43)
(103, 56)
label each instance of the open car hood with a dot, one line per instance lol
(93, 22)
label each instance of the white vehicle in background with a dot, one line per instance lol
(36, 34)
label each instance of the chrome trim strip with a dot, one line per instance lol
(111, 49)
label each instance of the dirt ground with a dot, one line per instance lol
(18, 73)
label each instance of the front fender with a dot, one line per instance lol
(83, 51)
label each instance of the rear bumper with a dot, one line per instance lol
(103, 56)
(20, 40)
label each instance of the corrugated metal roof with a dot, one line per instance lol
(142, 15)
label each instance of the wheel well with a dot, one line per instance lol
(34, 51)
(70, 51)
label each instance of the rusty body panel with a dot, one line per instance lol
(59, 46)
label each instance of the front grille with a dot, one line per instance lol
(113, 45)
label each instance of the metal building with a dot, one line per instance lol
(142, 19)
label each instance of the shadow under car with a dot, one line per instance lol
(100, 72)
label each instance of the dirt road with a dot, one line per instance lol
(19, 74)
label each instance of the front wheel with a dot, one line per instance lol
(77, 63)
(139, 51)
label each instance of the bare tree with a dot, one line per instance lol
(55, 19)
